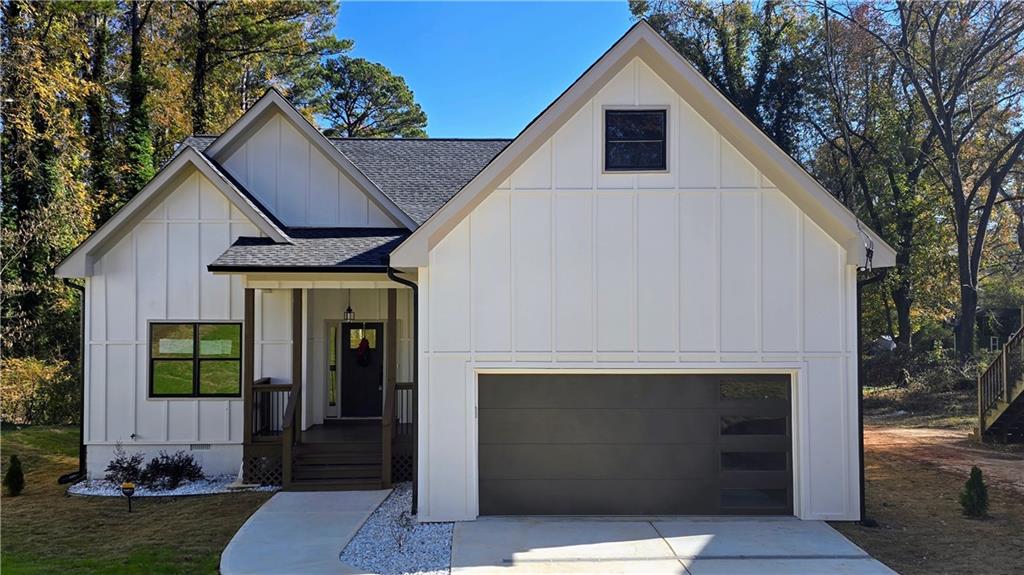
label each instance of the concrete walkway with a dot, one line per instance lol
(688, 546)
(300, 532)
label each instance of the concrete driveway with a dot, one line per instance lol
(690, 546)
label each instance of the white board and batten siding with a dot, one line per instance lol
(707, 267)
(157, 272)
(297, 182)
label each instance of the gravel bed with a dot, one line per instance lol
(211, 485)
(393, 542)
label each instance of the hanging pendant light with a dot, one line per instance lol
(349, 314)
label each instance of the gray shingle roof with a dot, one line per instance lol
(313, 249)
(419, 175)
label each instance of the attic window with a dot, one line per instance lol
(635, 140)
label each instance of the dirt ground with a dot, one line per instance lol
(948, 449)
(914, 477)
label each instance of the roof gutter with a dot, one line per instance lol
(393, 276)
(76, 476)
(861, 283)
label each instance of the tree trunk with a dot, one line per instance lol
(902, 295)
(138, 142)
(199, 68)
(968, 287)
(96, 130)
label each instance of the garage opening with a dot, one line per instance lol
(621, 444)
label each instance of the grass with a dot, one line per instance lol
(46, 531)
(916, 406)
(921, 528)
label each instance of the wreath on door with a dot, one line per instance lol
(363, 353)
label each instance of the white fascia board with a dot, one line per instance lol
(273, 100)
(80, 261)
(644, 42)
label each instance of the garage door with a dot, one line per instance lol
(634, 444)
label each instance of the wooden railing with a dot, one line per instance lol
(269, 401)
(997, 382)
(290, 434)
(404, 406)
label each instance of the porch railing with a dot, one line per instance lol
(269, 401)
(404, 406)
(998, 382)
(290, 434)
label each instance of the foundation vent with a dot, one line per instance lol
(199, 447)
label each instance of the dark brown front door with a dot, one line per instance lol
(362, 369)
(624, 444)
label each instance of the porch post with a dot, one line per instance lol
(391, 377)
(248, 363)
(297, 359)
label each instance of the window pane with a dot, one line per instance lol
(171, 340)
(219, 377)
(172, 377)
(756, 498)
(220, 340)
(744, 425)
(755, 390)
(634, 125)
(754, 461)
(634, 156)
(356, 336)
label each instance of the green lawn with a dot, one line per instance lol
(46, 531)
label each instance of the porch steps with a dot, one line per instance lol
(336, 466)
(334, 485)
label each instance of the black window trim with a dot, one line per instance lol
(665, 148)
(195, 359)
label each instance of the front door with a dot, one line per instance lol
(362, 369)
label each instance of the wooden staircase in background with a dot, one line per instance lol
(1001, 394)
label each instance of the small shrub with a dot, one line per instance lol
(124, 467)
(974, 497)
(14, 478)
(169, 471)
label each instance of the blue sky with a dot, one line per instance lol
(483, 69)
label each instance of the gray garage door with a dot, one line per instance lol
(635, 444)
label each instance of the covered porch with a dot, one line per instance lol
(328, 380)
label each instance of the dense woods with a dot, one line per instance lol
(910, 113)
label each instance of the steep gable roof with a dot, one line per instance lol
(272, 102)
(643, 42)
(80, 261)
(418, 174)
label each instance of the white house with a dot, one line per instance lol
(640, 305)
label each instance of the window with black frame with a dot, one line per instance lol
(635, 140)
(195, 359)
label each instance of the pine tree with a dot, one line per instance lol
(14, 477)
(974, 497)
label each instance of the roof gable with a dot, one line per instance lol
(79, 263)
(274, 103)
(642, 42)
